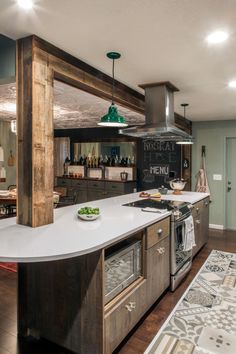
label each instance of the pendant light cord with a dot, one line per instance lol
(113, 81)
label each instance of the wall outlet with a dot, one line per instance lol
(217, 177)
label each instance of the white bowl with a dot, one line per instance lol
(88, 217)
(177, 185)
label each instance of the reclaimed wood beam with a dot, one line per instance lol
(35, 136)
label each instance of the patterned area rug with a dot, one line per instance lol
(204, 320)
(12, 267)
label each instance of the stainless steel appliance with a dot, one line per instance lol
(159, 115)
(180, 260)
(123, 265)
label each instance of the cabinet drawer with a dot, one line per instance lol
(116, 187)
(200, 206)
(94, 194)
(96, 184)
(158, 269)
(157, 232)
(63, 182)
(80, 184)
(124, 316)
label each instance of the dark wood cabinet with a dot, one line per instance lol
(69, 296)
(127, 310)
(89, 190)
(158, 269)
(200, 214)
(124, 316)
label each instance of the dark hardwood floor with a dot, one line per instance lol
(142, 334)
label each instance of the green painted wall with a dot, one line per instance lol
(7, 60)
(8, 142)
(212, 135)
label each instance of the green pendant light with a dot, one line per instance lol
(112, 118)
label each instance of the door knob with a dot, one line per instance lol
(229, 182)
(229, 189)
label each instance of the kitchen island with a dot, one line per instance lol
(61, 293)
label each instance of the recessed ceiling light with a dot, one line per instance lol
(25, 4)
(232, 84)
(217, 37)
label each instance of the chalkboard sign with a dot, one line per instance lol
(158, 162)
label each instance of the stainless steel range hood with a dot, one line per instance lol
(159, 109)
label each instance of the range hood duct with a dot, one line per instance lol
(159, 110)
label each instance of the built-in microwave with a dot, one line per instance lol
(123, 265)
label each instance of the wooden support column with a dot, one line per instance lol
(35, 136)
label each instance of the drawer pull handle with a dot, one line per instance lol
(130, 306)
(161, 250)
(159, 232)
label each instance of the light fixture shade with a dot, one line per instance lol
(185, 142)
(112, 118)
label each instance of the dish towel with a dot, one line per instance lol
(189, 235)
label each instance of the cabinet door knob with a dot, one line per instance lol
(160, 250)
(198, 222)
(206, 203)
(159, 232)
(128, 307)
(197, 209)
(132, 304)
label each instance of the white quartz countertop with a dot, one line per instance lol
(69, 236)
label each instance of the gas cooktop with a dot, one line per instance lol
(158, 204)
(162, 205)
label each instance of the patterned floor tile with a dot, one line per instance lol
(204, 321)
(164, 344)
(200, 298)
(198, 350)
(212, 277)
(217, 341)
(183, 347)
(223, 318)
(229, 281)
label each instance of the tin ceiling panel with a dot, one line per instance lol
(73, 108)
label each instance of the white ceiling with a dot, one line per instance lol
(73, 108)
(160, 40)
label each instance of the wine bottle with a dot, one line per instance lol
(116, 161)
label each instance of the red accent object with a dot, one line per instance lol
(12, 267)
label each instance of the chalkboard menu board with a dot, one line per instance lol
(158, 162)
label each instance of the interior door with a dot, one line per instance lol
(230, 183)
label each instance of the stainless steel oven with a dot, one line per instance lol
(123, 265)
(181, 261)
